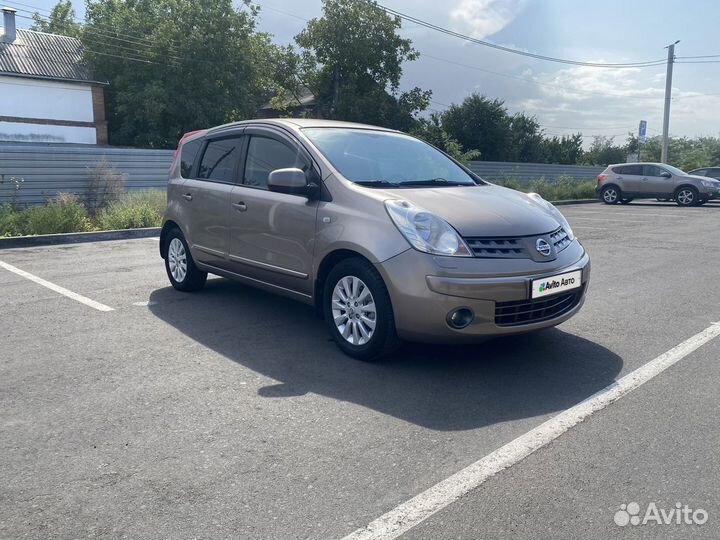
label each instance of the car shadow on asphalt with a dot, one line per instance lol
(444, 388)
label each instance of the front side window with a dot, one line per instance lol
(266, 155)
(220, 160)
(386, 159)
(652, 170)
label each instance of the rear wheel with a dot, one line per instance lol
(610, 195)
(358, 311)
(687, 196)
(179, 264)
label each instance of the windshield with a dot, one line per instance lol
(384, 159)
(674, 170)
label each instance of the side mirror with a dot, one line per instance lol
(665, 174)
(292, 181)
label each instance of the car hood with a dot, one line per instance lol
(706, 178)
(486, 210)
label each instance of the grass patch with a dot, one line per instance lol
(134, 210)
(66, 214)
(562, 189)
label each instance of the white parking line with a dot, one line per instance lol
(606, 220)
(419, 508)
(57, 288)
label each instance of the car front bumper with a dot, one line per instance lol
(425, 289)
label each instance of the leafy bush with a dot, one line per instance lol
(12, 222)
(134, 210)
(63, 214)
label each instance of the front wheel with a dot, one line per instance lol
(687, 196)
(610, 195)
(358, 311)
(179, 264)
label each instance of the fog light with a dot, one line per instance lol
(460, 318)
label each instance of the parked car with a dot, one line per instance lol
(624, 182)
(387, 236)
(711, 172)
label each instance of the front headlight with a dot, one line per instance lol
(425, 231)
(556, 214)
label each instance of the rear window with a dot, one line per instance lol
(187, 157)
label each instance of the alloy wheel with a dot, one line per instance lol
(177, 260)
(353, 310)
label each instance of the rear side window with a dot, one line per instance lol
(187, 157)
(266, 155)
(628, 169)
(220, 160)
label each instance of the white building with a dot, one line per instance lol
(47, 93)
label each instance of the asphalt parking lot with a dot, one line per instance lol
(229, 413)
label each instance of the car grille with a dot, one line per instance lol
(533, 311)
(514, 248)
(498, 248)
(560, 239)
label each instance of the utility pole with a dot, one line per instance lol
(668, 96)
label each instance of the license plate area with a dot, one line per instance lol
(551, 285)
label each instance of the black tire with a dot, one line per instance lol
(626, 201)
(383, 339)
(611, 195)
(193, 279)
(687, 196)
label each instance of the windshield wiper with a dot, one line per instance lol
(435, 182)
(376, 183)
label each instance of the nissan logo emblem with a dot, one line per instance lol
(543, 247)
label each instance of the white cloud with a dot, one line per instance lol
(483, 18)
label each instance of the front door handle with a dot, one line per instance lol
(240, 206)
(187, 197)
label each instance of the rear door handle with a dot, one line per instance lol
(240, 206)
(187, 197)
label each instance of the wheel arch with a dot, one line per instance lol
(682, 186)
(329, 261)
(166, 228)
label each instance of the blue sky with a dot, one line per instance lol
(564, 98)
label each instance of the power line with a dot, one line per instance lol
(452, 33)
(532, 81)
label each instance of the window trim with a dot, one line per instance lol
(282, 136)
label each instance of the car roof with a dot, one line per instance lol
(639, 163)
(300, 123)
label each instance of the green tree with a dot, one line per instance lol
(604, 151)
(60, 21)
(526, 139)
(483, 124)
(431, 131)
(353, 58)
(566, 150)
(189, 64)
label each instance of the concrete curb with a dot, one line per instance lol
(76, 238)
(576, 201)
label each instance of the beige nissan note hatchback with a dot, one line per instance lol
(387, 236)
